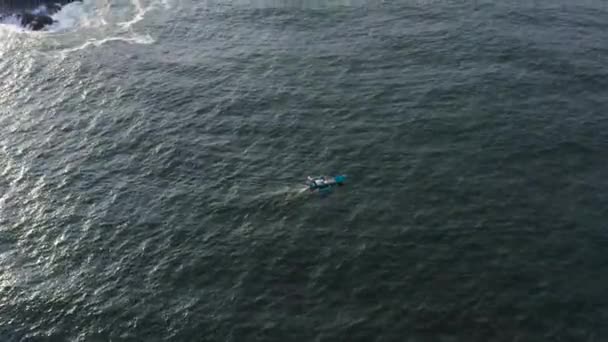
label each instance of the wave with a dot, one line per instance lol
(88, 24)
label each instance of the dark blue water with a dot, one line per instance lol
(153, 157)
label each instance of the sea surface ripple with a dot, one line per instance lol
(153, 153)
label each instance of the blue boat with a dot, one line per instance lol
(325, 183)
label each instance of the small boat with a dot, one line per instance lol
(325, 183)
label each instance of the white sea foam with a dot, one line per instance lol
(91, 23)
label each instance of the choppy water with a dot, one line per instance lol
(152, 155)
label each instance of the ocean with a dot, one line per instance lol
(154, 155)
